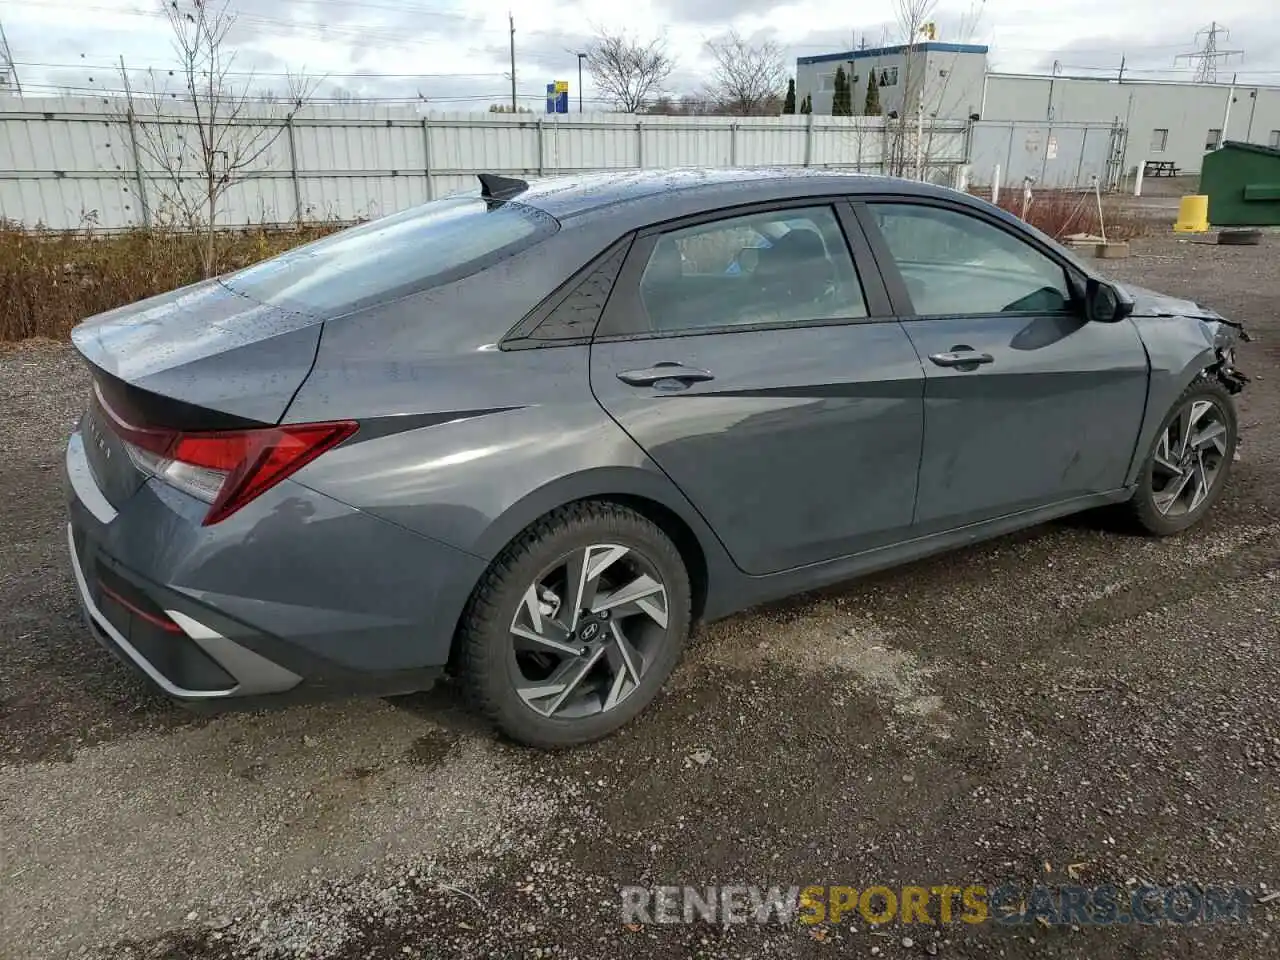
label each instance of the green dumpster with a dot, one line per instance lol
(1242, 181)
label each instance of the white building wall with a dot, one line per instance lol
(904, 66)
(1175, 116)
(955, 84)
(952, 75)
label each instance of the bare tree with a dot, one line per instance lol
(194, 158)
(912, 15)
(924, 98)
(627, 71)
(748, 79)
(665, 106)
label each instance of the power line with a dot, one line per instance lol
(178, 97)
(394, 8)
(1181, 72)
(270, 73)
(8, 69)
(1209, 55)
(320, 30)
(512, 21)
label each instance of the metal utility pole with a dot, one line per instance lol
(144, 206)
(1209, 54)
(1226, 115)
(1120, 79)
(1053, 77)
(581, 57)
(920, 135)
(8, 69)
(124, 77)
(512, 20)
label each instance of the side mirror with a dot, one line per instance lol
(1103, 302)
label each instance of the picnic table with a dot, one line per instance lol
(1159, 168)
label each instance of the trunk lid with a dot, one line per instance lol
(198, 358)
(205, 346)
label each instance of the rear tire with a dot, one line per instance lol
(575, 626)
(1189, 461)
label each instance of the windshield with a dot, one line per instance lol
(394, 256)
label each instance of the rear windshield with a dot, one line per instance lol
(394, 256)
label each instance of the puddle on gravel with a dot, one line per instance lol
(431, 749)
(830, 641)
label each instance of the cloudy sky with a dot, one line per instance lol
(455, 52)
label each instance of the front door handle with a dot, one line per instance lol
(961, 358)
(665, 370)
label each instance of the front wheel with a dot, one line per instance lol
(1189, 461)
(576, 625)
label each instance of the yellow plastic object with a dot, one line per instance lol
(1193, 214)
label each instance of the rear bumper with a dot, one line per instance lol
(244, 673)
(295, 596)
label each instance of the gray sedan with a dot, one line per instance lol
(531, 434)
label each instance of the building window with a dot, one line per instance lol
(888, 77)
(1159, 140)
(827, 81)
(1275, 139)
(1213, 139)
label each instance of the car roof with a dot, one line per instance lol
(655, 195)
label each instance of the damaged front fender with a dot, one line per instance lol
(1226, 337)
(1182, 347)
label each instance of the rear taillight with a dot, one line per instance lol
(225, 468)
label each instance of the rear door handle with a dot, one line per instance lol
(961, 358)
(665, 370)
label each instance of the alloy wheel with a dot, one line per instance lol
(1189, 457)
(587, 629)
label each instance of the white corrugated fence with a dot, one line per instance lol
(66, 163)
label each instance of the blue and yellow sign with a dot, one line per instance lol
(558, 97)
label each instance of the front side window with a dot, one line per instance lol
(955, 264)
(393, 256)
(1274, 140)
(1213, 139)
(1159, 140)
(784, 266)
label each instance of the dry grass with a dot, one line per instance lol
(1060, 214)
(50, 281)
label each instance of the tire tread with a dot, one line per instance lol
(1141, 511)
(478, 657)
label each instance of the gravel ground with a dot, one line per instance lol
(1066, 696)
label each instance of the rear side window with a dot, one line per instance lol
(575, 317)
(428, 245)
(784, 266)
